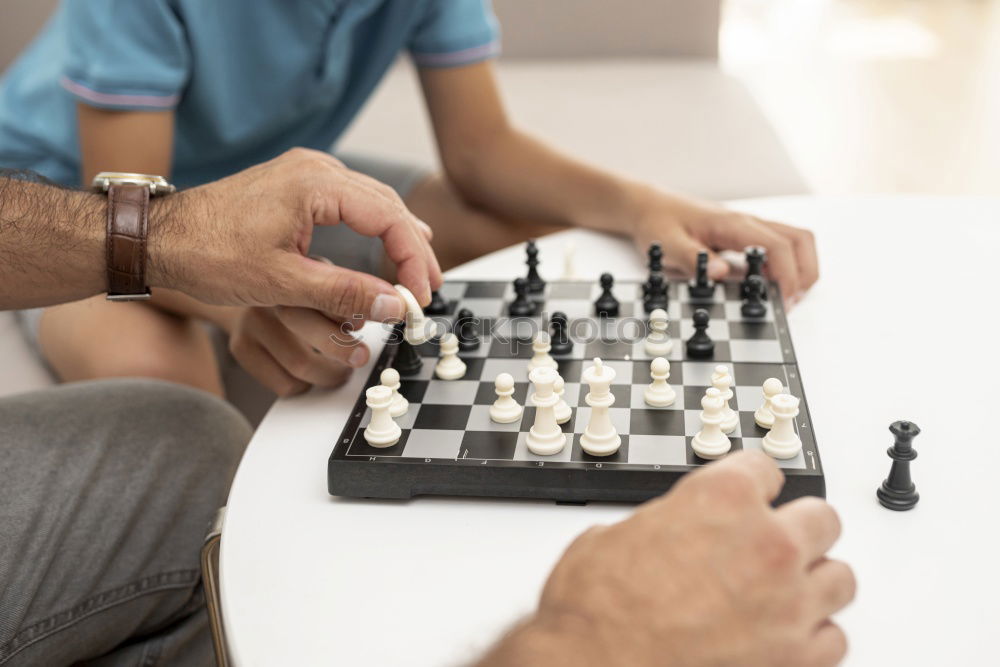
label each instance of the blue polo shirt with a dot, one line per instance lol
(247, 79)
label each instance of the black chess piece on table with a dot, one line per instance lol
(606, 304)
(521, 306)
(559, 334)
(700, 345)
(535, 283)
(407, 360)
(437, 306)
(466, 330)
(756, 257)
(655, 293)
(898, 491)
(701, 287)
(753, 307)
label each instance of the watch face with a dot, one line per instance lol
(157, 184)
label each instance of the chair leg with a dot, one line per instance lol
(210, 579)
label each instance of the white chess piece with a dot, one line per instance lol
(390, 378)
(600, 437)
(763, 416)
(723, 381)
(658, 343)
(381, 431)
(562, 409)
(505, 409)
(710, 442)
(545, 437)
(415, 332)
(569, 268)
(782, 442)
(541, 346)
(449, 366)
(659, 394)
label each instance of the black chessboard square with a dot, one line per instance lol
(608, 350)
(488, 445)
(621, 456)
(487, 394)
(716, 311)
(529, 418)
(485, 290)
(360, 447)
(693, 396)
(413, 390)
(449, 417)
(754, 375)
(641, 375)
(656, 422)
(695, 460)
(752, 331)
(576, 290)
(473, 367)
(570, 369)
(748, 426)
(510, 348)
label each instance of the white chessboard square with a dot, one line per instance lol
(670, 450)
(405, 420)
(733, 313)
(450, 392)
(433, 444)
(639, 403)
(619, 419)
(699, 373)
(522, 328)
(676, 351)
(750, 398)
(718, 330)
(756, 350)
(518, 368)
(797, 463)
(571, 394)
(623, 371)
(479, 420)
(452, 291)
(483, 307)
(574, 308)
(692, 424)
(522, 453)
(426, 370)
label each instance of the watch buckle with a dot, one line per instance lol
(143, 296)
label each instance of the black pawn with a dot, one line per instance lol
(655, 292)
(535, 283)
(655, 264)
(559, 334)
(606, 304)
(700, 346)
(437, 306)
(521, 306)
(701, 287)
(898, 491)
(407, 360)
(753, 307)
(466, 330)
(756, 256)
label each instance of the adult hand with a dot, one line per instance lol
(709, 574)
(686, 226)
(244, 240)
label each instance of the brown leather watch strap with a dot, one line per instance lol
(128, 206)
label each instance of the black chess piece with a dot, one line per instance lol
(655, 263)
(753, 307)
(407, 360)
(521, 306)
(756, 257)
(437, 306)
(655, 293)
(699, 345)
(898, 491)
(535, 283)
(701, 287)
(606, 304)
(466, 329)
(559, 334)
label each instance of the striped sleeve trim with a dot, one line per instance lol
(453, 58)
(109, 99)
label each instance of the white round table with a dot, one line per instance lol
(902, 325)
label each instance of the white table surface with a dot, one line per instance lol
(903, 325)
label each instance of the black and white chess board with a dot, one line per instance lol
(449, 445)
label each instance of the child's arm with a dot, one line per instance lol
(512, 175)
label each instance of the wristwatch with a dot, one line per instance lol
(127, 231)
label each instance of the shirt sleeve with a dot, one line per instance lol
(125, 54)
(453, 33)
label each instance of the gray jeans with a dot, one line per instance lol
(107, 489)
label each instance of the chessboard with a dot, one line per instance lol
(450, 446)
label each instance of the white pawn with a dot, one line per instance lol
(763, 416)
(710, 442)
(505, 409)
(449, 366)
(723, 381)
(658, 343)
(541, 346)
(659, 394)
(782, 442)
(562, 409)
(381, 431)
(600, 438)
(545, 437)
(390, 378)
(569, 268)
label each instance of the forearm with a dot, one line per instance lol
(181, 304)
